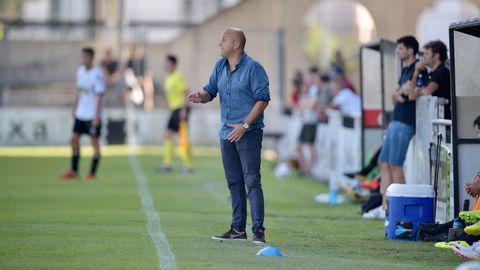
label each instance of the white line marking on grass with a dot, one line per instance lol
(166, 259)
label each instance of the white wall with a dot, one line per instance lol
(36, 10)
(57, 124)
(433, 23)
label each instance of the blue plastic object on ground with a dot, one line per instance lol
(270, 251)
(332, 196)
(408, 205)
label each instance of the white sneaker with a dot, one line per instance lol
(376, 213)
(468, 252)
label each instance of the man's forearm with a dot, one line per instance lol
(257, 109)
(206, 97)
(74, 106)
(431, 88)
(396, 97)
(412, 94)
(414, 79)
(201, 96)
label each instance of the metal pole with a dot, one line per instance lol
(5, 82)
(362, 102)
(119, 8)
(281, 63)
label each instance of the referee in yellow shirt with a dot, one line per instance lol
(175, 88)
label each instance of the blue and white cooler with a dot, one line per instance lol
(407, 205)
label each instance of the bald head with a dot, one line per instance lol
(237, 35)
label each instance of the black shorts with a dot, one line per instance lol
(85, 127)
(308, 133)
(174, 121)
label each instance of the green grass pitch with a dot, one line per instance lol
(49, 224)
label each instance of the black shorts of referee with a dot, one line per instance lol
(174, 121)
(85, 127)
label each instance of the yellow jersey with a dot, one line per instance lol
(175, 87)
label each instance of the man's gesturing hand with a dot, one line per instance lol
(195, 97)
(237, 132)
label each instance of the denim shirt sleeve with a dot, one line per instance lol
(259, 83)
(211, 86)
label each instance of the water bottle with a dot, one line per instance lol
(333, 190)
(420, 80)
(332, 196)
(457, 224)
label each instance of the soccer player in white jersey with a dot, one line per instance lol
(86, 111)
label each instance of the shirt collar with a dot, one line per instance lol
(242, 58)
(438, 67)
(412, 64)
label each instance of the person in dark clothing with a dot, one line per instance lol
(243, 87)
(438, 83)
(402, 127)
(113, 76)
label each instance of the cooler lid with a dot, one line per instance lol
(408, 190)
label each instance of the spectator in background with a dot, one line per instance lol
(338, 74)
(338, 60)
(137, 64)
(438, 83)
(325, 91)
(308, 115)
(325, 96)
(345, 100)
(402, 127)
(291, 125)
(294, 95)
(111, 71)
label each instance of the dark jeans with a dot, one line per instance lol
(241, 162)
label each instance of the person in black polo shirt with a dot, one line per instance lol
(438, 83)
(402, 127)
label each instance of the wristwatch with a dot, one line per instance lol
(245, 125)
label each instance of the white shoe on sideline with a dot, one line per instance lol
(376, 213)
(467, 252)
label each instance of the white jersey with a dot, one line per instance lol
(90, 83)
(348, 102)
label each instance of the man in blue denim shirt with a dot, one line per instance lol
(244, 94)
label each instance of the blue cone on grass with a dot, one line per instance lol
(270, 251)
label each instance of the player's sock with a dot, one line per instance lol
(95, 161)
(75, 159)
(168, 152)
